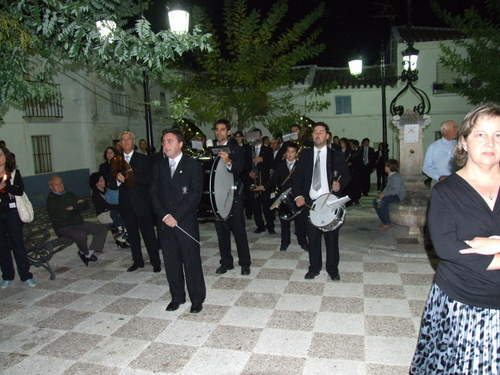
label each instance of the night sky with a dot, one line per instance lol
(351, 28)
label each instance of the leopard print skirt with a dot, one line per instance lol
(456, 338)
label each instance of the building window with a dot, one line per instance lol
(42, 153)
(120, 105)
(48, 107)
(445, 77)
(343, 105)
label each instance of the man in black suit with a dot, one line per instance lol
(176, 192)
(369, 160)
(263, 163)
(282, 179)
(235, 223)
(135, 206)
(319, 171)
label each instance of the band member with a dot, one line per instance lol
(263, 163)
(235, 223)
(176, 192)
(282, 179)
(320, 170)
(135, 206)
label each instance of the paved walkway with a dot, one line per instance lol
(103, 320)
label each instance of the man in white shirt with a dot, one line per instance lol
(439, 161)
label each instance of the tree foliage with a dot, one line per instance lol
(254, 58)
(480, 77)
(41, 37)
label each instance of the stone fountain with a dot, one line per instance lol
(412, 211)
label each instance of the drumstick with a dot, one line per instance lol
(330, 193)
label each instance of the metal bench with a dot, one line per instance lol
(40, 241)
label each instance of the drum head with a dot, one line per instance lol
(221, 189)
(324, 215)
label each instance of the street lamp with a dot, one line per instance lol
(179, 24)
(356, 68)
(408, 75)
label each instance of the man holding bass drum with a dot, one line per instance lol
(320, 172)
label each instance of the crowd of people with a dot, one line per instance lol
(156, 197)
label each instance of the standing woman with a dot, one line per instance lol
(460, 332)
(11, 226)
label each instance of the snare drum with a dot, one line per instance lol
(325, 214)
(287, 208)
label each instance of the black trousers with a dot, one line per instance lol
(261, 204)
(144, 222)
(79, 233)
(314, 236)
(11, 237)
(364, 175)
(182, 264)
(235, 224)
(300, 229)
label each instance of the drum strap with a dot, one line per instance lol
(289, 175)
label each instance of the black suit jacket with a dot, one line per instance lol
(280, 174)
(372, 157)
(302, 178)
(265, 166)
(138, 195)
(179, 195)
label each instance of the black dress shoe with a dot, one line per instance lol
(172, 306)
(284, 247)
(271, 231)
(134, 267)
(195, 309)
(92, 258)
(156, 269)
(245, 270)
(223, 269)
(83, 258)
(334, 276)
(259, 230)
(311, 275)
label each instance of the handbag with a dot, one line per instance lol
(24, 206)
(111, 196)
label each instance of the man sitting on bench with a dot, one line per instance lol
(64, 210)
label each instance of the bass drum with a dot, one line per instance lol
(325, 214)
(221, 188)
(205, 210)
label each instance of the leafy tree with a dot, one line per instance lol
(254, 59)
(479, 69)
(38, 38)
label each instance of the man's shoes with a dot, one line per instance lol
(84, 258)
(311, 275)
(334, 276)
(245, 270)
(283, 247)
(92, 258)
(384, 227)
(134, 267)
(223, 269)
(156, 269)
(271, 231)
(196, 308)
(5, 284)
(31, 283)
(172, 306)
(259, 230)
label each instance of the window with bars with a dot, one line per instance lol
(48, 107)
(120, 104)
(343, 105)
(42, 153)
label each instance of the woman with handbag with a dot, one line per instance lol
(11, 226)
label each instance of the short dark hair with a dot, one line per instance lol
(257, 130)
(94, 178)
(365, 139)
(238, 134)
(292, 145)
(177, 132)
(324, 125)
(295, 125)
(224, 122)
(392, 164)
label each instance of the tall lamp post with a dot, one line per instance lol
(178, 19)
(408, 75)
